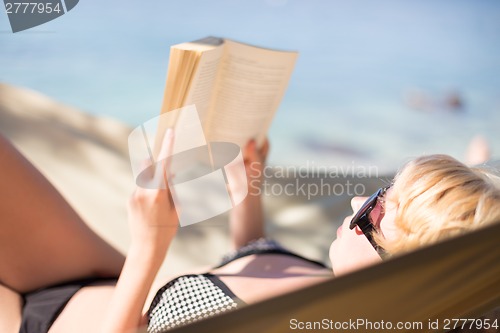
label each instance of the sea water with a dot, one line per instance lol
(376, 82)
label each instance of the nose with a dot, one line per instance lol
(357, 202)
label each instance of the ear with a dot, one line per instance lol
(358, 230)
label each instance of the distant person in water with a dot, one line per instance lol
(420, 100)
(454, 101)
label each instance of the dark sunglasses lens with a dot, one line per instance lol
(368, 205)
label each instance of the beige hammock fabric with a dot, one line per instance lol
(458, 278)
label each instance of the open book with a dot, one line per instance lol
(235, 87)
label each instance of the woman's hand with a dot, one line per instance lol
(152, 216)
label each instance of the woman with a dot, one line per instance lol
(45, 244)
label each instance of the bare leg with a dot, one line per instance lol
(10, 310)
(42, 239)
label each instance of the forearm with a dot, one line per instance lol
(247, 220)
(125, 309)
(153, 224)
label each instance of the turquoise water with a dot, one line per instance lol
(347, 103)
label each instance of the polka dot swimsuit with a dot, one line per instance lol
(189, 298)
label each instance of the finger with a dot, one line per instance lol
(166, 151)
(167, 144)
(264, 150)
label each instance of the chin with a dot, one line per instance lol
(342, 263)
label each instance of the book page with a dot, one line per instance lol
(250, 86)
(181, 68)
(203, 81)
(191, 75)
(184, 67)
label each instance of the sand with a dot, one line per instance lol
(86, 158)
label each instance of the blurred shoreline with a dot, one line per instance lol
(363, 89)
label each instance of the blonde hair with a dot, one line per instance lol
(439, 197)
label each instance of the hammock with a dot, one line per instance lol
(455, 279)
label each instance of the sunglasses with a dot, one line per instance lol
(363, 220)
